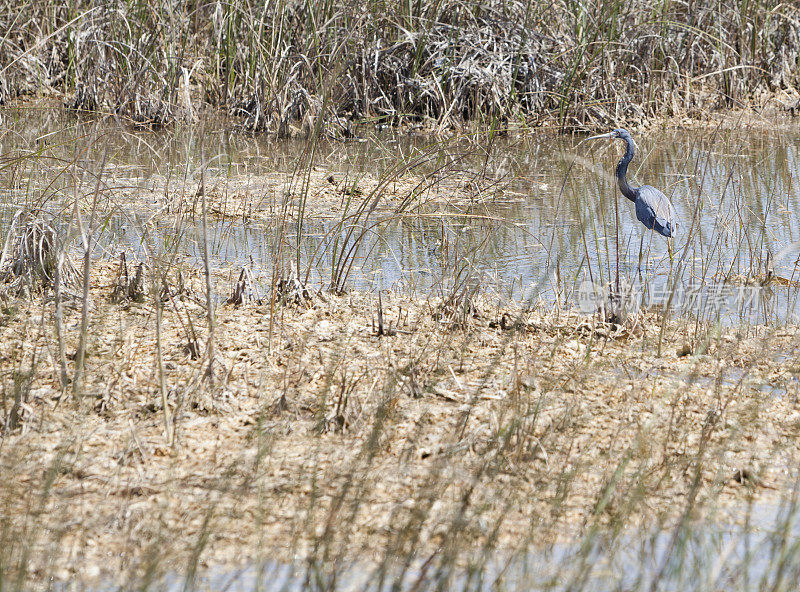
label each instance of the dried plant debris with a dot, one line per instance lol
(459, 308)
(128, 286)
(178, 290)
(309, 400)
(291, 291)
(382, 328)
(245, 290)
(32, 257)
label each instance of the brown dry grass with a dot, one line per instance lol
(321, 438)
(303, 67)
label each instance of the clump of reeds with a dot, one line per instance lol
(457, 309)
(291, 291)
(128, 286)
(245, 290)
(127, 61)
(31, 258)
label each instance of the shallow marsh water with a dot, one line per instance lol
(538, 219)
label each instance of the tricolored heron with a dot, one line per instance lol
(653, 208)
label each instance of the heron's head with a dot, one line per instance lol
(621, 134)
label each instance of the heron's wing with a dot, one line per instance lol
(660, 210)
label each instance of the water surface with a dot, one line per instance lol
(546, 216)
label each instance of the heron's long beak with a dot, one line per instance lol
(608, 135)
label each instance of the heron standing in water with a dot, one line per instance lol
(653, 208)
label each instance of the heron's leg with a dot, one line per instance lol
(669, 250)
(641, 251)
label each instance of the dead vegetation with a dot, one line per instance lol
(528, 414)
(128, 286)
(307, 68)
(30, 259)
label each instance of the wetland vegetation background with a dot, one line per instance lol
(282, 65)
(208, 380)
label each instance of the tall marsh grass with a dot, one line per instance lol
(300, 66)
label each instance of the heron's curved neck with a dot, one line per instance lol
(622, 171)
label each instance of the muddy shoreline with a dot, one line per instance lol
(312, 431)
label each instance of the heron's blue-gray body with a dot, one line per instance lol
(653, 208)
